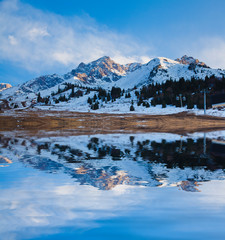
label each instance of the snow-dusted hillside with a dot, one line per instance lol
(160, 69)
(41, 83)
(97, 73)
(105, 73)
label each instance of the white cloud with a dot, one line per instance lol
(63, 57)
(123, 59)
(34, 33)
(12, 40)
(40, 41)
(46, 42)
(74, 205)
(212, 51)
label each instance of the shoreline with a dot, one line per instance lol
(76, 123)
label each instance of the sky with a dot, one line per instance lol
(45, 37)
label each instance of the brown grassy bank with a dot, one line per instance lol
(43, 122)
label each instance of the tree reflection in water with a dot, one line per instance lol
(107, 161)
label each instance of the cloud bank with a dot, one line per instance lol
(38, 40)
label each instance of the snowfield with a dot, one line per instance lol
(125, 109)
(122, 106)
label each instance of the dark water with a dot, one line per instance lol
(149, 186)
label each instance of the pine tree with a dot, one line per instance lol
(153, 102)
(116, 92)
(108, 97)
(89, 101)
(190, 103)
(46, 101)
(95, 106)
(72, 92)
(39, 97)
(132, 108)
(147, 105)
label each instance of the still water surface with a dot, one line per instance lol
(143, 186)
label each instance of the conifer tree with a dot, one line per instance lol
(132, 108)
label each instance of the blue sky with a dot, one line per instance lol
(44, 37)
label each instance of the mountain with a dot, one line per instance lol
(4, 86)
(190, 60)
(41, 83)
(105, 73)
(160, 69)
(103, 69)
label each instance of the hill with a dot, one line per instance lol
(108, 85)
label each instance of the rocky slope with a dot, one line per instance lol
(103, 69)
(4, 86)
(190, 60)
(41, 83)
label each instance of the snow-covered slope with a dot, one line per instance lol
(97, 73)
(105, 73)
(41, 83)
(160, 69)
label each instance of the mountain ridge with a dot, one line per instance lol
(105, 70)
(105, 73)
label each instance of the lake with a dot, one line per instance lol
(112, 186)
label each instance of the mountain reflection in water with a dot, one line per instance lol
(142, 186)
(106, 161)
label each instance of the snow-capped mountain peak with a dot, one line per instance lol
(161, 62)
(190, 60)
(4, 86)
(161, 69)
(104, 69)
(106, 73)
